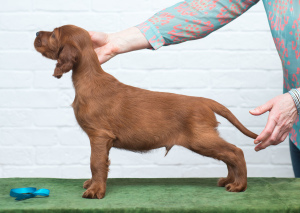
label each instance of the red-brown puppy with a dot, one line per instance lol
(117, 115)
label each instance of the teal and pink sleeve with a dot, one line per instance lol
(191, 19)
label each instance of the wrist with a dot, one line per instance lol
(128, 40)
(295, 93)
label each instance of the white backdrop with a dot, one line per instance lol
(237, 65)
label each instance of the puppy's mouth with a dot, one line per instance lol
(37, 43)
(50, 55)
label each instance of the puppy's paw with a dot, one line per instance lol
(94, 192)
(236, 187)
(224, 181)
(87, 184)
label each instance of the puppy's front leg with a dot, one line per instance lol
(99, 166)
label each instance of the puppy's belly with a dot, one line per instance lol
(137, 145)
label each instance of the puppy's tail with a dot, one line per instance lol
(226, 113)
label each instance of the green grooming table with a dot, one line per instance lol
(155, 195)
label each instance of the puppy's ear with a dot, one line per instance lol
(67, 59)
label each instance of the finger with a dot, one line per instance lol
(262, 109)
(272, 140)
(99, 39)
(91, 33)
(280, 136)
(103, 59)
(102, 55)
(94, 40)
(284, 132)
(262, 146)
(284, 136)
(268, 130)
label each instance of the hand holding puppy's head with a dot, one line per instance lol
(63, 44)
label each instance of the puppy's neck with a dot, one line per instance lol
(87, 63)
(88, 75)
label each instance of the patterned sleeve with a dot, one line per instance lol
(191, 19)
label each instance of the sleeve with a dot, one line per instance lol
(191, 19)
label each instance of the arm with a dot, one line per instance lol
(187, 20)
(109, 45)
(191, 19)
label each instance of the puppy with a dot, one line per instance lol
(114, 114)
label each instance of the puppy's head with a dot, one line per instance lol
(63, 44)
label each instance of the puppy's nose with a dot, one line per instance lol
(37, 33)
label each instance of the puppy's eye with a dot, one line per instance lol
(53, 35)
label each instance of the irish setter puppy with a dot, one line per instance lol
(114, 114)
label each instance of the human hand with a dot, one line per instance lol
(283, 113)
(103, 46)
(107, 45)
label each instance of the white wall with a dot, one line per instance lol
(237, 66)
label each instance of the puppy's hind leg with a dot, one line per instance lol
(229, 179)
(239, 169)
(211, 145)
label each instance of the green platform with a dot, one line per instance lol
(155, 195)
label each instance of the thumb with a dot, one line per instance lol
(262, 109)
(91, 33)
(99, 39)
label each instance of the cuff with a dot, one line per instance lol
(296, 97)
(152, 34)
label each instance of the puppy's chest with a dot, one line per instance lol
(86, 111)
(81, 105)
(81, 109)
